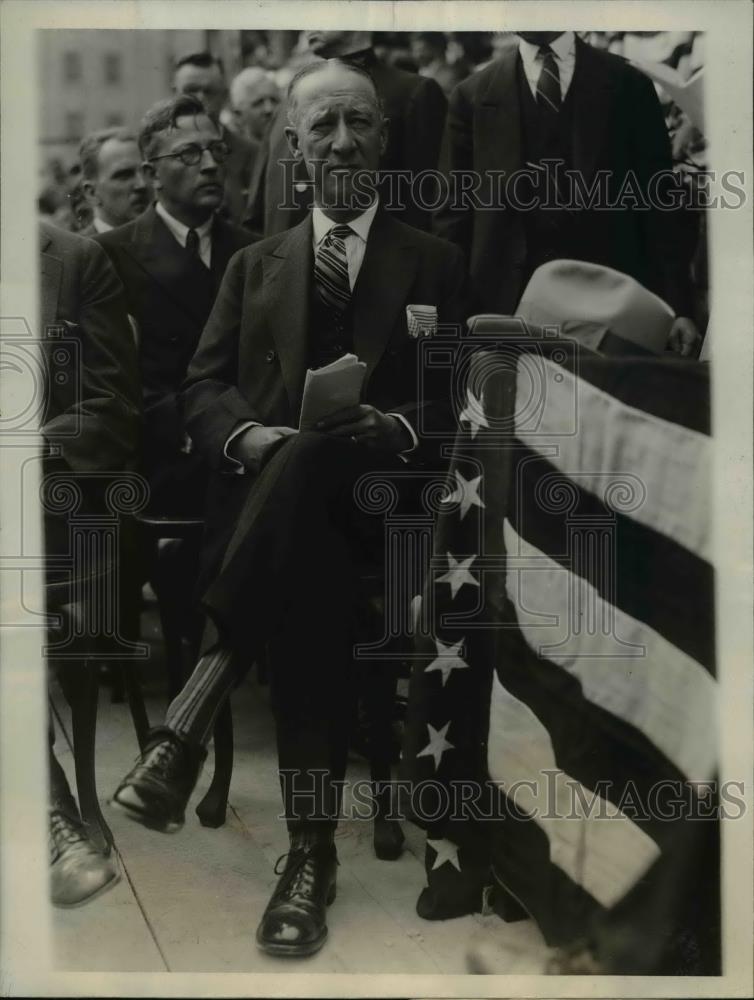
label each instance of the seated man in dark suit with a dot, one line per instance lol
(280, 194)
(91, 425)
(171, 260)
(284, 530)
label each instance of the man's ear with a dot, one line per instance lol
(89, 193)
(292, 137)
(148, 169)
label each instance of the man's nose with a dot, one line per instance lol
(343, 139)
(140, 181)
(207, 164)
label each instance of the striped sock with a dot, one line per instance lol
(192, 713)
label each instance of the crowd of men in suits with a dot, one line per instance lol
(219, 269)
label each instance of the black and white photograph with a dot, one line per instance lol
(376, 549)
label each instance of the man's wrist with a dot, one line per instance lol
(409, 438)
(400, 435)
(232, 449)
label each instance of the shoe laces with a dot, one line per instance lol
(299, 869)
(64, 833)
(162, 757)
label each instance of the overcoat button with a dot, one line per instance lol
(269, 356)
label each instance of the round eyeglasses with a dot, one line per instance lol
(191, 153)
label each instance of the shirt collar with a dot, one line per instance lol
(563, 46)
(360, 225)
(178, 229)
(100, 225)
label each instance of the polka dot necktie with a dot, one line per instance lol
(192, 248)
(548, 84)
(331, 270)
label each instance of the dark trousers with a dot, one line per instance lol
(288, 584)
(60, 792)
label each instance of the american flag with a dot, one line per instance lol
(565, 647)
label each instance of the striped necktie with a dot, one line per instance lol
(548, 84)
(331, 270)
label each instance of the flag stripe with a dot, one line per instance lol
(663, 693)
(595, 747)
(605, 856)
(670, 462)
(648, 568)
(668, 388)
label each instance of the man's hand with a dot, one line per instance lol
(366, 425)
(249, 448)
(684, 337)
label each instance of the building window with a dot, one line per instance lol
(71, 67)
(113, 67)
(74, 125)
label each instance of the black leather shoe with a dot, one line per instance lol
(294, 921)
(78, 872)
(156, 791)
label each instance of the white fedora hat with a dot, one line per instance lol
(594, 304)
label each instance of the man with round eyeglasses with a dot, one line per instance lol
(171, 260)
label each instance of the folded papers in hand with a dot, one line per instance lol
(334, 387)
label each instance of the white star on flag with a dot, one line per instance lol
(447, 660)
(445, 851)
(474, 413)
(458, 573)
(437, 744)
(466, 493)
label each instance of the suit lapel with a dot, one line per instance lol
(160, 255)
(592, 89)
(380, 293)
(287, 275)
(52, 276)
(224, 245)
(498, 132)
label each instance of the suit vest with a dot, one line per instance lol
(329, 336)
(550, 232)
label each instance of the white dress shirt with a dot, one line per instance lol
(356, 242)
(563, 48)
(180, 232)
(356, 245)
(100, 226)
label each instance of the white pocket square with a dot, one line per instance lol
(421, 320)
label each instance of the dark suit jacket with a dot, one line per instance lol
(239, 168)
(617, 126)
(169, 311)
(251, 360)
(415, 107)
(93, 409)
